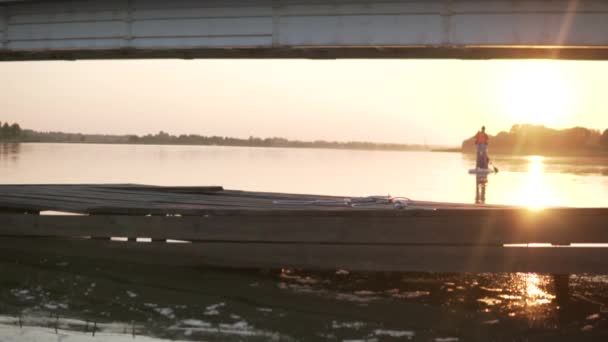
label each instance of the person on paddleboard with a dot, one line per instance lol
(481, 141)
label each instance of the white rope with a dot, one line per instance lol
(397, 202)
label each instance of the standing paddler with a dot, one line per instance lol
(481, 141)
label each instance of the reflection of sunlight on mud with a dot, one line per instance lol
(525, 295)
(342, 287)
(337, 305)
(515, 294)
(535, 289)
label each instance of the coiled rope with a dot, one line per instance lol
(353, 202)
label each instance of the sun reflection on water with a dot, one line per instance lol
(534, 192)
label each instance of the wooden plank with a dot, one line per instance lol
(115, 198)
(104, 194)
(106, 197)
(361, 227)
(65, 200)
(37, 205)
(62, 198)
(315, 256)
(284, 196)
(131, 188)
(166, 193)
(174, 189)
(122, 199)
(82, 202)
(128, 187)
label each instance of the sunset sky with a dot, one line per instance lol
(402, 101)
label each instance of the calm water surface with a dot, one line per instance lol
(533, 180)
(62, 299)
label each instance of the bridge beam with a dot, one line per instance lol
(477, 29)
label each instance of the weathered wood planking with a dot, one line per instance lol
(484, 227)
(105, 193)
(83, 200)
(142, 200)
(316, 256)
(249, 229)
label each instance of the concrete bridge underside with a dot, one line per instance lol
(477, 29)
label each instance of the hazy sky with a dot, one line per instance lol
(404, 101)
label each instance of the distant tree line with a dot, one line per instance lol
(538, 139)
(29, 135)
(10, 132)
(192, 139)
(604, 139)
(521, 139)
(164, 138)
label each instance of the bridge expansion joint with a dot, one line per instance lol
(4, 26)
(276, 23)
(129, 21)
(446, 21)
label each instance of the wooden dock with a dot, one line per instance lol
(193, 226)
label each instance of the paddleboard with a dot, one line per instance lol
(480, 171)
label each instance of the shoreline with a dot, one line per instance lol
(218, 145)
(521, 154)
(583, 153)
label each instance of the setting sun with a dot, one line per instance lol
(537, 92)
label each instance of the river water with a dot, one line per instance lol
(83, 300)
(432, 176)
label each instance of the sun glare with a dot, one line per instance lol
(534, 194)
(537, 92)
